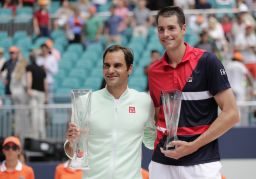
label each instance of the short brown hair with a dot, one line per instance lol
(172, 11)
(128, 55)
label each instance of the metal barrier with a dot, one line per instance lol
(58, 115)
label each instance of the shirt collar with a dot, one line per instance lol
(109, 95)
(185, 57)
(18, 167)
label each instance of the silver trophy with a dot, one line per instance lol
(171, 101)
(81, 111)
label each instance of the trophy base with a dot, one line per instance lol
(78, 165)
(167, 145)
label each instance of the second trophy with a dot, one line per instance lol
(171, 101)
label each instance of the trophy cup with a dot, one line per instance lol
(171, 101)
(81, 109)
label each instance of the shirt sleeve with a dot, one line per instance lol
(216, 75)
(150, 129)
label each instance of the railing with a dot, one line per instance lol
(58, 115)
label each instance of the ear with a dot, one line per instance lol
(130, 70)
(184, 28)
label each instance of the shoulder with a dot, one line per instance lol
(155, 65)
(140, 96)
(60, 167)
(27, 168)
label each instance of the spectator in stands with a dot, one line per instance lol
(227, 23)
(2, 58)
(111, 26)
(27, 3)
(197, 23)
(203, 4)
(53, 50)
(75, 26)
(246, 43)
(189, 70)
(122, 11)
(154, 56)
(205, 43)
(64, 171)
(37, 91)
(50, 64)
(246, 15)
(98, 3)
(142, 19)
(239, 76)
(18, 93)
(9, 67)
(185, 4)
(12, 167)
(41, 20)
(82, 6)
(126, 112)
(93, 27)
(216, 33)
(62, 15)
(11, 4)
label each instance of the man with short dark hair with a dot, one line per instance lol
(204, 84)
(119, 116)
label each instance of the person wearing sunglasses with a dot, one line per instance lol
(12, 167)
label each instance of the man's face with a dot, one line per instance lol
(11, 151)
(14, 55)
(170, 34)
(115, 70)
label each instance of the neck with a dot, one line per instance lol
(11, 164)
(175, 56)
(116, 91)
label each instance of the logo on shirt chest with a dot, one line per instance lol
(189, 79)
(132, 109)
(222, 72)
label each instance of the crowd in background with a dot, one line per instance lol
(231, 36)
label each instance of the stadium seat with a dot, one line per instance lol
(19, 35)
(76, 48)
(93, 83)
(80, 74)
(6, 43)
(66, 65)
(72, 83)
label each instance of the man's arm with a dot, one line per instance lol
(228, 117)
(150, 130)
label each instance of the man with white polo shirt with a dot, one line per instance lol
(119, 117)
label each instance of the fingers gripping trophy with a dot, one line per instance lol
(81, 111)
(171, 101)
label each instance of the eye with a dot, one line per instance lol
(118, 65)
(160, 29)
(106, 66)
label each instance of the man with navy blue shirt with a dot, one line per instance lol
(204, 84)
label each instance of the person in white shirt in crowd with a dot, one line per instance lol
(50, 64)
(241, 82)
(246, 43)
(142, 19)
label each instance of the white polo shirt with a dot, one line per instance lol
(116, 132)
